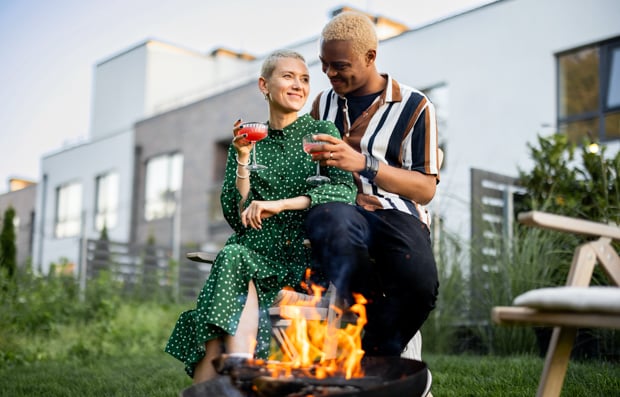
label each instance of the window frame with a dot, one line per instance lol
(605, 50)
(169, 205)
(67, 223)
(110, 212)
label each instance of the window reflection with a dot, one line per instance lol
(106, 213)
(589, 92)
(68, 210)
(163, 182)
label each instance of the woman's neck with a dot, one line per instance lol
(278, 121)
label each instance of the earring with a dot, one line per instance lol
(267, 96)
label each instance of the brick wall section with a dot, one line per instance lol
(196, 130)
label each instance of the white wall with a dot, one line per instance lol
(128, 87)
(119, 93)
(175, 76)
(498, 62)
(82, 164)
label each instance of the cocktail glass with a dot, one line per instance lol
(308, 143)
(255, 131)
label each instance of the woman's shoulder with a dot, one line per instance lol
(322, 126)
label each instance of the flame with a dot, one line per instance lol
(317, 346)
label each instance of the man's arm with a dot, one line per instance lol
(414, 185)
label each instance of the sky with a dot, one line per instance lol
(49, 49)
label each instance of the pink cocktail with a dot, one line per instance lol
(308, 142)
(308, 147)
(255, 132)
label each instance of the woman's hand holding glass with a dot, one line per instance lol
(243, 147)
(248, 134)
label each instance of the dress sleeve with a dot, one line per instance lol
(230, 196)
(341, 187)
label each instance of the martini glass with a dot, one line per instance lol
(255, 132)
(308, 143)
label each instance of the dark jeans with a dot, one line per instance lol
(386, 256)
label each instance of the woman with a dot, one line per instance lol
(266, 210)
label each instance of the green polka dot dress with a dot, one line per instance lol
(274, 256)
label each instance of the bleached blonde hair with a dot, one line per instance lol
(353, 26)
(269, 64)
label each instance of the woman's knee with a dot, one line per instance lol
(230, 257)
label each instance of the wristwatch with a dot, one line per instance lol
(372, 166)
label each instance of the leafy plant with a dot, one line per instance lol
(585, 186)
(566, 180)
(8, 250)
(441, 333)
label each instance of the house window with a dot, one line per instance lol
(68, 210)
(163, 183)
(106, 206)
(589, 92)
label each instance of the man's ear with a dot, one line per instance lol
(371, 56)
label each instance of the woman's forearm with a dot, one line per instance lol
(243, 178)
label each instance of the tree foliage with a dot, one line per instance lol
(8, 249)
(571, 180)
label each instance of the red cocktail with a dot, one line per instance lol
(255, 132)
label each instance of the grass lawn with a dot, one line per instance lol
(158, 375)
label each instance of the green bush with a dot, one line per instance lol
(46, 318)
(585, 186)
(8, 250)
(441, 331)
(566, 180)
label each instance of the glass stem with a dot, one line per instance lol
(254, 153)
(318, 169)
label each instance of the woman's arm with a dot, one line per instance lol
(259, 210)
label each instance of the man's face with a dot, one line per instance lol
(347, 72)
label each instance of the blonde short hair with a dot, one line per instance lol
(269, 64)
(354, 26)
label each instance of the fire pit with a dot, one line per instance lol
(322, 359)
(384, 377)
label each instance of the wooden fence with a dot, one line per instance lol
(145, 271)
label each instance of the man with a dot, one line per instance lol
(381, 246)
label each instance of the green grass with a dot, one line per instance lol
(153, 376)
(159, 375)
(516, 376)
(53, 345)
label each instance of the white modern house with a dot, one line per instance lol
(499, 75)
(87, 186)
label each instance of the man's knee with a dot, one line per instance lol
(323, 218)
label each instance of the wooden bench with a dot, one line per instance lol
(576, 305)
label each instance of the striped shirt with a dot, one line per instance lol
(399, 128)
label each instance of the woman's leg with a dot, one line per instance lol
(204, 370)
(242, 343)
(244, 340)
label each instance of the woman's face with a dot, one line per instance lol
(289, 85)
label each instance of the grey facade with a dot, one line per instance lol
(201, 132)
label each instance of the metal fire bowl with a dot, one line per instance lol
(384, 377)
